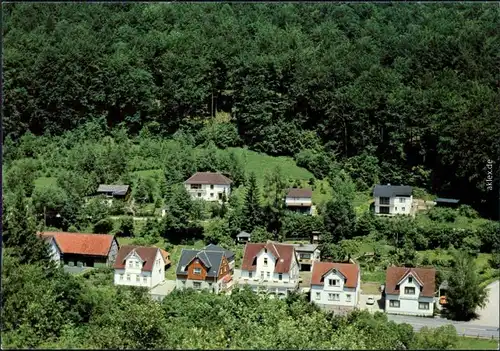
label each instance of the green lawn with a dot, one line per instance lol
(465, 343)
(461, 222)
(261, 164)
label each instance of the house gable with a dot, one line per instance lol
(192, 268)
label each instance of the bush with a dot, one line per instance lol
(442, 214)
(467, 211)
(104, 226)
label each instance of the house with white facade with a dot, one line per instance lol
(206, 269)
(270, 267)
(335, 286)
(410, 291)
(393, 199)
(308, 255)
(140, 266)
(208, 186)
(299, 200)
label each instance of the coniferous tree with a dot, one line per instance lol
(252, 210)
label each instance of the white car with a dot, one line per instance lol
(370, 300)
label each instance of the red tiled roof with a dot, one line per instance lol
(208, 178)
(147, 254)
(80, 243)
(426, 275)
(296, 192)
(284, 253)
(349, 270)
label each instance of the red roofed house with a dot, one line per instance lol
(83, 250)
(270, 267)
(208, 186)
(299, 200)
(140, 266)
(410, 291)
(335, 284)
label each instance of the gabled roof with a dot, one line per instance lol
(426, 275)
(298, 192)
(284, 254)
(211, 259)
(243, 235)
(208, 178)
(118, 190)
(392, 190)
(147, 255)
(349, 270)
(80, 243)
(228, 253)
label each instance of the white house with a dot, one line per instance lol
(299, 200)
(140, 266)
(308, 255)
(335, 285)
(410, 291)
(393, 199)
(270, 267)
(208, 186)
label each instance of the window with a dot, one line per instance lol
(220, 196)
(144, 280)
(402, 208)
(333, 282)
(402, 200)
(280, 276)
(265, 262)
(384, 201)
(211, 186)
(211, 194)
(268, 275)
(333, 297)
(261, 275)
(136, 264)
(196, 285)
(131, 264)
(121, 276)
(128, 277)
(394, 303)
(195, 186)
(348, 298)
(410, 291)
(410, 279)
(137, 278)
(423, 305)
(395, 208)
(249, 274)
(318, 296)
(305, 256)
(197, 271)
(199, 194)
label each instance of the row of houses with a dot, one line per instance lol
(269, 268)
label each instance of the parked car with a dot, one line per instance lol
(370, 300)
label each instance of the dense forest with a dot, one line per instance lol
(409, 89)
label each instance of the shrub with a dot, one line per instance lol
(467, 211)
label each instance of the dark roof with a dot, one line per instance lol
(81, 243)
(147, 254)
(297, 192)
(228, 253)
(118, 190)
(425, 275)
(284, 254)
(209, 178)
(349, 270)
(448, 201)
(243, 235)
(392, 190)
(211, 259)
(305, 247)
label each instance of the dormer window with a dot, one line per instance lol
(410, 279)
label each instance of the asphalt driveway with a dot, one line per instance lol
(488, 315)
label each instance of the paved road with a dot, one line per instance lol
(463, 328)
